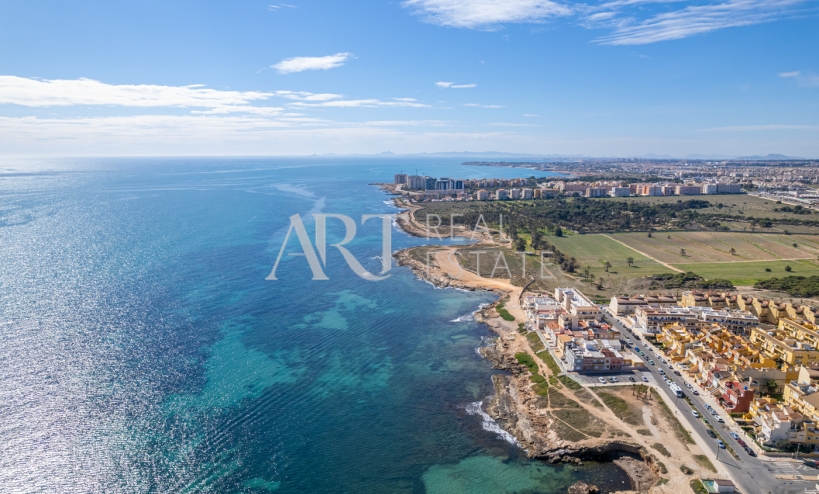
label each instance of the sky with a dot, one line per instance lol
(604, 78)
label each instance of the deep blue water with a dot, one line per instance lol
(143, 351)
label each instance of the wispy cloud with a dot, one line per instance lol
(483, 14)
(300, 64)
(751, 128)
(531, 115)
(278, 6)
(476, 105)
(452, 85)
(69, 92)
(361, 103)
(801, 78)
(697, 19)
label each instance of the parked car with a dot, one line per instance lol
(696, 393)
(812, 463)
(720, 443)
(651, 362)
(628, 340)
(645, 379)
(742, 443)
(678, 373)
(602, 380)
(696, 414)
(662, 372)
(707, 406)
(711, 433)
(719, 419)
(632, 379)
(614, 379)
(734, 435)
(749, 451)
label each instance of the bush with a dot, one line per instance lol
(527, 360)
(684, 469)
(697, 486)
(505, 315)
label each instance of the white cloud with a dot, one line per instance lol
(698, 19)
(305, 96)
(59, 92)
(485, 13)
(300, 64)
(531, 115)
(795, 73)
(358, 103)
(476, 105)
(278, 6)
(452, 85)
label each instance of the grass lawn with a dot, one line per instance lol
(748, 273)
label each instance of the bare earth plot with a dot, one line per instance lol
(715, 247)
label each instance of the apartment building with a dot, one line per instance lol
(791, 344)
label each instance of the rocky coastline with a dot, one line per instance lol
(514, 404)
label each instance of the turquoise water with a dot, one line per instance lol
(143, 351)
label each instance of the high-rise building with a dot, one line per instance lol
(416, 182)
(502, 194)
(400, 178)
(430, 185)
(528, 194)
(514, 194)
(482, 195)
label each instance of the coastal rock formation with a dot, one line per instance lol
(583, 488)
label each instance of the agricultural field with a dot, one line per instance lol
(748, 273)
(593, 250)
(716, 247)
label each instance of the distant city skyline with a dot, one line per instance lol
(625, 78)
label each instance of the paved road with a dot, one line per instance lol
(751, 474)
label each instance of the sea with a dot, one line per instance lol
(143, 349)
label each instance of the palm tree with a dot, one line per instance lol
(607, 265)
(682, 252)
(629, 261)
(733, 251)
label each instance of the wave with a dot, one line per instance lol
(465, 318)
(489, 424)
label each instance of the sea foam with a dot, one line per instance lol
(489, 423)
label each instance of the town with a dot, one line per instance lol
(422, 188)
(751, 364)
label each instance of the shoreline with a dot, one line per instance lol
(512, 406)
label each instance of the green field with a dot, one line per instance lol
(703, 247)
(748, 273)
(593, 250)
(707, 254)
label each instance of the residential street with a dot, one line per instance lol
(751, 474)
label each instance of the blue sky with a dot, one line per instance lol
(615, 77)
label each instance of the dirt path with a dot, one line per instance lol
(449, 265)
(669, 266)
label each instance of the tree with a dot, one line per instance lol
(607, 265)
(520, 244)
(649, 234)
(733, 251)
(772, 386)
(788, 269)
(682, 252)
(600, 283)
(795, 246)
(558, 231)
(630, 261)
